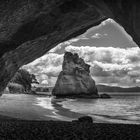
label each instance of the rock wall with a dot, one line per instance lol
(75, 79)
(30, 28)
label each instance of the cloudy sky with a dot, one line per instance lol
(111, 52)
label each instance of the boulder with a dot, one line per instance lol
(74, 80)
(105, 96)
(87, 119)
(83, 119)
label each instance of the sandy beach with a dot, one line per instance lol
(33, 107)
(25, 107)
(23, 118)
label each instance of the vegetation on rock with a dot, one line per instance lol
(22, 81)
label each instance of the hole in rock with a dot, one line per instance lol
(107, 48)
(114, 65)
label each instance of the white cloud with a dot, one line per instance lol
(138, 81)
(44, 82)
(107, 54)
(109, 65)
(46, 66)
(64, 44)
(52, 70)
(134, 73)
(98, 35)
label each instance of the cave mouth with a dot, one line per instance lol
(114, 60)
(107, 48)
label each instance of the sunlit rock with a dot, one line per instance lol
(75, 79)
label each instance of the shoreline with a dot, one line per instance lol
(11, 128)
(22, 129)
(30, 107)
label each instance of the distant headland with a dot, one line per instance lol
(106, 88)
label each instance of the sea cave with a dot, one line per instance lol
(95, 42)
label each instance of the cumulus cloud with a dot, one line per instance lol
(107, 54)
(44, 82)
(45, 67)
(134, 73)
(111, 65)
(61, 47)
(52, 70)
(138, 81)
(96, 70)
(98, 35)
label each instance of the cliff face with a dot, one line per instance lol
(30, 28)
(75, 79)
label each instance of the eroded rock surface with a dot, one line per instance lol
(75, 79)
(30, 28)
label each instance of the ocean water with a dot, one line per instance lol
(118, 109)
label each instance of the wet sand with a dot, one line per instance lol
(22, 106)
(32, 107)
(16, 122)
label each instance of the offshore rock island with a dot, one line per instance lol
(74, 79)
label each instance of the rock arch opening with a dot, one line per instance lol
(107, 48)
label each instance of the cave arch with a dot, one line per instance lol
(28, 29)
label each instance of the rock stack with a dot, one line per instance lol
(74, 80)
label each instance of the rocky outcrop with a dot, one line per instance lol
(16, 88)
(30, 28)
(84, 119)
(105, 96)
(74, 79)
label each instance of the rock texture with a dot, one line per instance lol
(75, 79)
(105, 96)
(30, 28)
